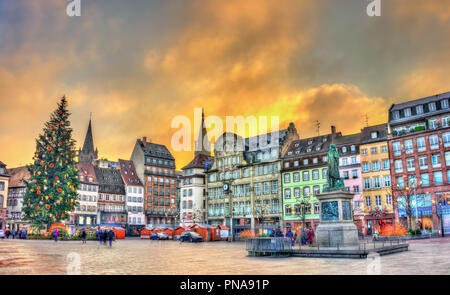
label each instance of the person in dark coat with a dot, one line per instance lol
(110, 237)
(7, 233)
(19, 233)
(279, 233)
(83, 236)
(290, 235)
(272, 233)
(100, 236)
(105, 236)
(304, 236)
(14, 233)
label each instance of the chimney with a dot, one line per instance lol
(333, 132)
(144, 140)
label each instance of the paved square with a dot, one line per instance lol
(135, 256)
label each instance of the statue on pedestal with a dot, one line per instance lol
(334, 180)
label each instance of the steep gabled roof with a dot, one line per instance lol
(309, 146)
(87, 170)
(155, 150)
(199, 161)
(128, 173)
(109, 180)
(366, 133)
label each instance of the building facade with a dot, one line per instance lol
(111, 197)
(193, 190)
(134, 200)
(4, 181)
(377, 194)
(351, 172)
(16, 192)
(85, 214)
(244, 182)
(304, 175)
(155, 166)
(419, 146)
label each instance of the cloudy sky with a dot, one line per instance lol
(137, 64)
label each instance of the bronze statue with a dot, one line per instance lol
(334, 180)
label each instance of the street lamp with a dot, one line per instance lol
(413, 182)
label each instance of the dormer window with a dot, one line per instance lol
(407, 112)
(324, 139)
(444, 104)
(318, 148)
(396, 115)
(310, 141)
(419, 109)
(432, 106)
(308, 150)
(374, 135)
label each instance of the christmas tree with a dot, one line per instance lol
(52, 188)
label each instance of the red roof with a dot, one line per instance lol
(87, 170)
(128, 173)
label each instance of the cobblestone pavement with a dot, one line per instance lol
(135, 256)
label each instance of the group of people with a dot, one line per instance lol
(102, 236)
(19, 234)
(306, 235)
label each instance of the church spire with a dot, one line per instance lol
(88, 154)
(200, 146)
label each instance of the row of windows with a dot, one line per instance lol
(88, 187)
(421, 146)
(306, 191)
(133, 220)
(306, 175)
(377, 199)
(422, 161)
(420, 109)
(345, 161)
(161, 201)
(374, 150)
(161, 191)
(107, 197)
(375, 165)
(135, 199)
(244, 208)
(134, 190)
(377, 182)
(235, 174)
(111, 208)
(87, 198)
(134, 209)
(162, 180)
(424, 179)
(299, 210)
(155, 161)
(305, 162)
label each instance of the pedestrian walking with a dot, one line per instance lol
(83, 236)
(290, 235)
(310, 236)
(8, 233)
(100, 236)
(105, 236)
(55, 234)
(304, 236)
(14, 233)
(110, 237)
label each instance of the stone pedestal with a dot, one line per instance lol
(336, 220)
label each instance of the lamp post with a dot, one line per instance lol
(413, 183)
(440, 203)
